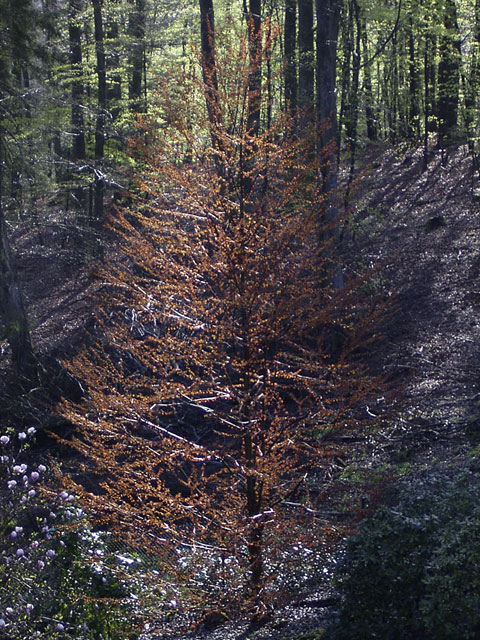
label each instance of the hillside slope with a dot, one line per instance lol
(420, 229)
(423, 228)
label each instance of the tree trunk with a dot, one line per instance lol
(99, 183)
(449, 75)
(352, 107)
(372, 132)
(290, 40)
(306, 60)
(210, 80)
(12, 308)
(254, 21)
(414, 82)
(136, 31)
(77, 119)
(328, 14)
(472, 92)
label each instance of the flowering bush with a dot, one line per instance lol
(55, 579)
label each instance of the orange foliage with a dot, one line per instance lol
(213, 387)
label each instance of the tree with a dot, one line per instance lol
(449, 75)
(306, 61)
(15, 51)
(290, 40)
(211, 395)
(136, 28)
(99, 183)
(328, 14)
(77, 118)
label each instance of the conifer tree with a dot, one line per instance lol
(212, 396)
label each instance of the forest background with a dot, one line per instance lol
(210, 154)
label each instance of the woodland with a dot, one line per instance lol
(239, 260)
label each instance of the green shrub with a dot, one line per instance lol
(413, 569)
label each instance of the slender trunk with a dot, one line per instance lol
(370, 117)
(306, 60)
(414, 83)
(472, 91)
(429, 89)
(352, 120)
(77, 119)
(210, 80)
(328, 14)
(254, 491)
(290, 40)
(449, 75)
(347, 50)
(393, 107)
(136, 30)
(254, 21)
(12, 308)
(99, 184)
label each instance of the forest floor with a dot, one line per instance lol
(420, 230)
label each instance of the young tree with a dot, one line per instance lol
(211, 394)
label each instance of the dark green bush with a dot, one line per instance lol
(413, 569)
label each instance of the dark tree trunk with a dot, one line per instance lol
(254, 21)
(290, 40)
(472, 91)
(12, 308)
(136, 31)
(430, 91)
(99, 183)
(328, 14)
(449, 75)
(414, 83)
(77, 119)
(351, 120)
(372, 132)
(306, 60)
(210, 80)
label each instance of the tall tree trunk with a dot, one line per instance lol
(136, 31)
(99, 183)
(306, 60)
(290, 40)
(328, 14)
(414, 84)
(254, 21)
(77, 119)
(210, 80)
(372, 132)
(449, 75)
(472, 91)
(12, 308)
(352, 108)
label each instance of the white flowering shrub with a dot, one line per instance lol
(55, 579)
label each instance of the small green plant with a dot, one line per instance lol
(412, 570)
